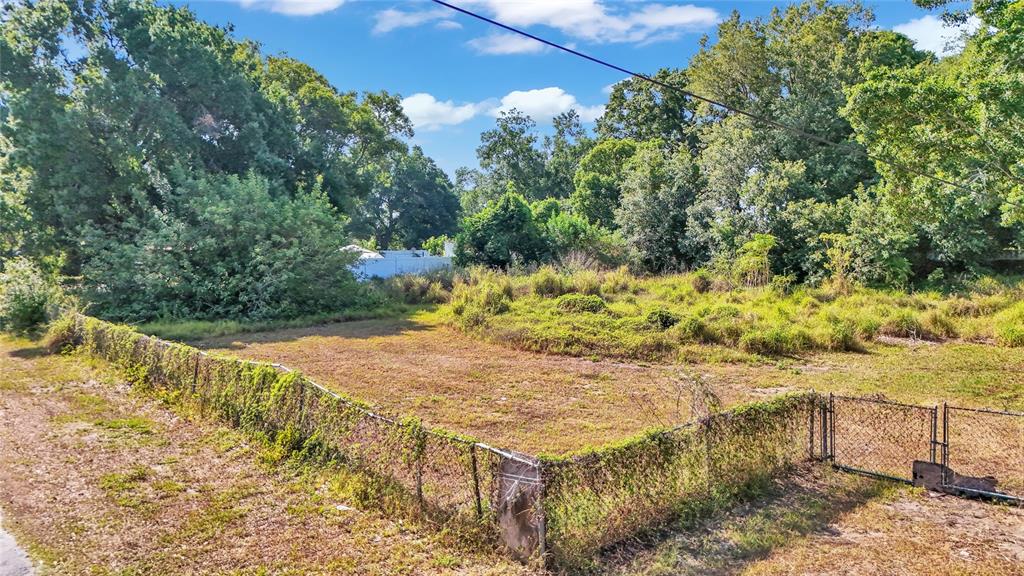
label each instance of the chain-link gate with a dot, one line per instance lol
(968, 451)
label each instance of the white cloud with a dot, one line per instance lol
(543, 104)
(931, 33)
(294, 7)
(448, 25)
(391, 19)
(593, 21)
(429, 113)
(506, 43)
(589, 20)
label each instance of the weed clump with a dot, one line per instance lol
(662, 319)
(576, 303)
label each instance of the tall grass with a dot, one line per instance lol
(615, 314)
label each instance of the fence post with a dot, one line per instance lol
(476, 482)
(935, 433)
(830, 442)
(945, 444)
(195, 374)
(810, 412)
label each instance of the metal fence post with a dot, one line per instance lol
(476, 482)
(935, 433)
(945, 443)
(830, 444)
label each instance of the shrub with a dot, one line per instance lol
(25, 295)
(1009, 326)
(773, 340)
(837, 334)
(62, 334)
(618, 281)
(548, 282)
(586, 282)
(575, 303)
(701, 281)
(902, 324)
(939, 324)
(436, 294)
(662, 319)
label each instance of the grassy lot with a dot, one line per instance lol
(615, 315)
(96, 478)
(548, 403)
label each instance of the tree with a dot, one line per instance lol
(410, 201)
(793, 67)
(639, 110)
(657, 192)
(565, 149)
(229, 248)
(598, 181)
(962, 120)
(503, 234)
(508, 154)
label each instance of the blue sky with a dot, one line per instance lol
(455, 73)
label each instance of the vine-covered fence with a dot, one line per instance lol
(560, 510)
(565, 510)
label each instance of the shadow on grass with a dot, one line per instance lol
(391, 324)
(30, 352)
(805, 503)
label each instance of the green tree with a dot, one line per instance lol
(565, 149)
(229, 248)
(411, 200)
(598, 180)
(501, 235)
(962, 120)
(657, 192)
(508, 154)
(639, 110)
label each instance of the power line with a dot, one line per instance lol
(685, 92)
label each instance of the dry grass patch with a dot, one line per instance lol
(84, 495)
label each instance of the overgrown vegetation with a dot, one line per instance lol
(615, 314)
(28, 297)
(604, 496)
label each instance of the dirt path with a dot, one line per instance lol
(96, 479)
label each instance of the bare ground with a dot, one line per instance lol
(97, 479)
(515, 399)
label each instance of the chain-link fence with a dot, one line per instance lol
(984, 451)
(880, 437)
(444, 476)
(566, 510)
(971, 451)
(601, 498)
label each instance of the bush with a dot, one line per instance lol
(26, 294)
(548, 282)
(662, 319)
(1009, 326)
(586, 282)
(237, 248)
(618, 281)
(573, 303)
(701, 281)
(937, 323)
(62, 334)
(902, 324)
